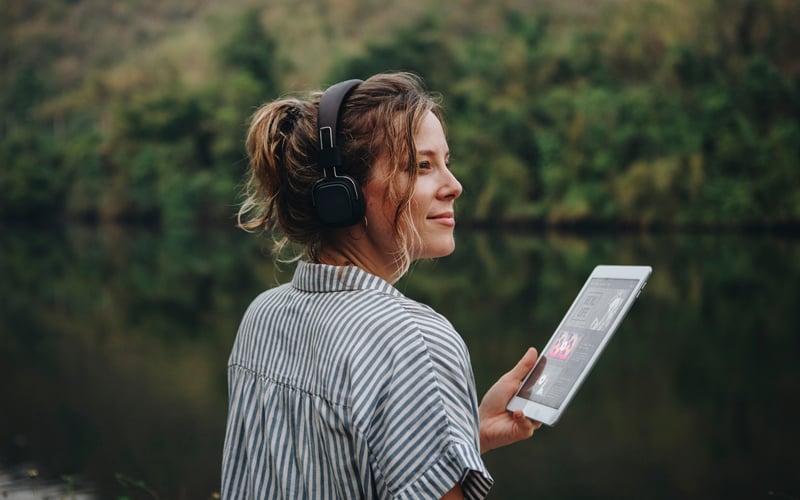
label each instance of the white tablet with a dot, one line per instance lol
(578, 341)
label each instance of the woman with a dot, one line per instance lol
(340, 386)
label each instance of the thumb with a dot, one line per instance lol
(524, 365)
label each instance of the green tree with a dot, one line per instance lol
(33, 179)
(252, 50)
(421, 48)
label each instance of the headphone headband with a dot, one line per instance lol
(327, 121)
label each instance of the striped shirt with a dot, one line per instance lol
(342, 387)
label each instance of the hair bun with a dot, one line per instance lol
(290, 117)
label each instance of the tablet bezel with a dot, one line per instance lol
(547, 414)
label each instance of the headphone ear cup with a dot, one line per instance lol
(337, 198)
(338, 201)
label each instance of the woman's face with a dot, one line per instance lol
(431, 205)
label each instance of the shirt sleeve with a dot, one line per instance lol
(415, 402)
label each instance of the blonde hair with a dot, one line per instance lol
(378, 121)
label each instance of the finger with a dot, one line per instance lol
(527, 426)
(519, 416)
(536, 424)
(524, 365)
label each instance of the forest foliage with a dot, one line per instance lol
(644, 113)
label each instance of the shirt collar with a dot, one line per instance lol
(325, 278)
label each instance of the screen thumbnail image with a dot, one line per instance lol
(563, 345)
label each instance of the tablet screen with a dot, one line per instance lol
(578, 338)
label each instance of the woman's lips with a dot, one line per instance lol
(445, 218)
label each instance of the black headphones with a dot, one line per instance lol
(337, 197)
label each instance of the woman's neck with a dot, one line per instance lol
(383, 266)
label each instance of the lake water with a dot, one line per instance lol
(114, 341)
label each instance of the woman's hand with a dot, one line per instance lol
(500, 427)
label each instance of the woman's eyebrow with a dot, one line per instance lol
(430, 152)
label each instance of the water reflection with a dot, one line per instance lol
(114, 342)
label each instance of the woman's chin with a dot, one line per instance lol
(440, 249)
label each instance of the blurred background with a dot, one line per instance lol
(584, 133)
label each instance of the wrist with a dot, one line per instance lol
(484, 443)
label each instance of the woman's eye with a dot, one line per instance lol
(424, 165)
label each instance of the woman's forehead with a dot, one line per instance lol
(430, 138)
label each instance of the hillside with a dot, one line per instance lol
(616, 111)
(120, 45)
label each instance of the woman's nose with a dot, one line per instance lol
(451, 188)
